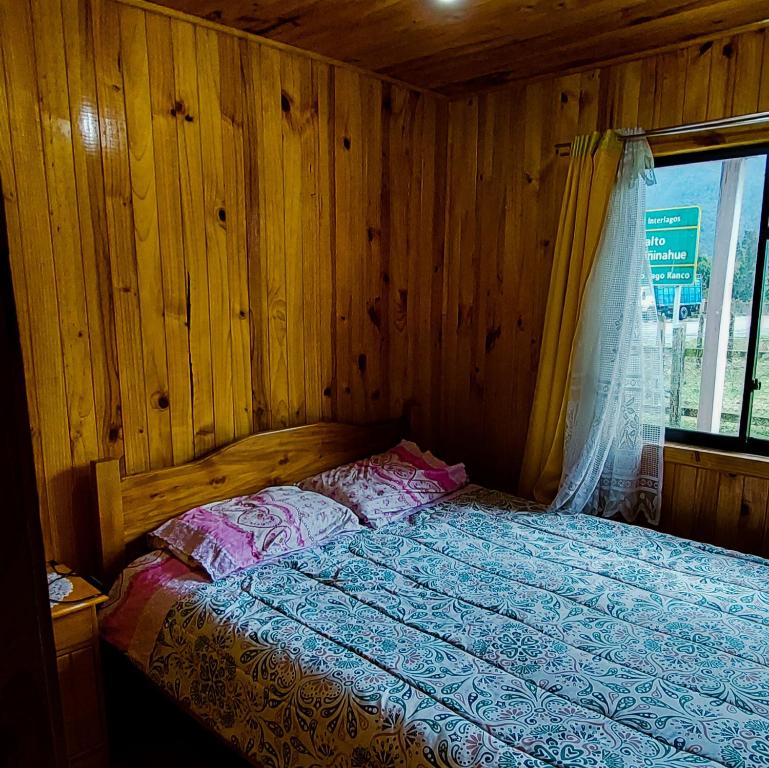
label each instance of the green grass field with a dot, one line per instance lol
(733, 388)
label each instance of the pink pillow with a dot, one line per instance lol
(388, 486)
(226, 536)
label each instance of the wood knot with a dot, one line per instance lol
(221, 214)
(744, 509)
(375, 315)
(160, 401)
(491, 337)
(346, 142)
(285, 102)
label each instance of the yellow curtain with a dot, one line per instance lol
(592, 173)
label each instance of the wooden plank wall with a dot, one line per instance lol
(505, 186)
(720, 499)
(209, 236)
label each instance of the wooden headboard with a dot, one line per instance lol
(130, 507)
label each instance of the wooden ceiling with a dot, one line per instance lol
(464, 45)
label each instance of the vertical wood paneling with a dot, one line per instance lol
(187, 108)
(426, 279)
(10, 198)
(671, 88)
(62, 200)
(427, 415)
(721, 507)
(721, 86)
(149, 274)
(202, 231)
(763, 93)
(35, 259)
(648, 90)
(680, 486)
(274, 243)
(234, 157)
(314, 255)
(403, 175)
(502, 331)
(65, 238)
(752, 515)
(747, 73)
(460, 237)
(92, 214)
(255, 233)
(698, 62)
(294, 72)
(171, 237)
(349, 222)
(120, 228)
(371, 366)
(217, 225)
(323, 79)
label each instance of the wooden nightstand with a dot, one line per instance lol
(76, 637)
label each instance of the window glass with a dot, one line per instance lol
(703, 223)
(759, 417)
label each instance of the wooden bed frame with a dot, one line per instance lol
(129, 507)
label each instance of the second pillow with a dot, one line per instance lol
(389, 486)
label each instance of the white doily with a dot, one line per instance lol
(58, 587)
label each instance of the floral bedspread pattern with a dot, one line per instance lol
(486, 633)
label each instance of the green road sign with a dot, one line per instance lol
(672, 244)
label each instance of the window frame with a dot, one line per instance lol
(742, 442)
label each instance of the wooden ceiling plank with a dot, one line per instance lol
(476, 45)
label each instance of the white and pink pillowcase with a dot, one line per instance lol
(389, 486)
(226, 536)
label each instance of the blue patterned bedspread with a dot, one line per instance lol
(486, 633)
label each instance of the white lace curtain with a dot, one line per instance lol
(615, 422)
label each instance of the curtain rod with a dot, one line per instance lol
(728, 122)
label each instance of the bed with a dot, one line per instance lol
(483, 631)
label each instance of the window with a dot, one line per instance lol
(707, 223)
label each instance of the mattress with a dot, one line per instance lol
(485, 632)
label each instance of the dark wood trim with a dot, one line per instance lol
(718, 461)
(30, 717)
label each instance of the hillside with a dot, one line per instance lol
(699, 184)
